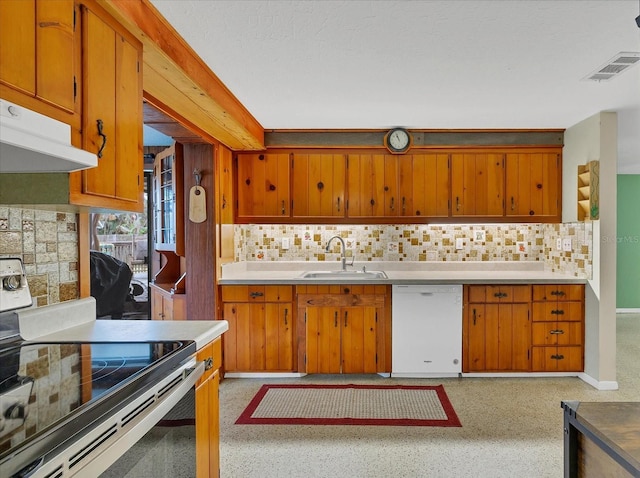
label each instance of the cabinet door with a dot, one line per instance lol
(55, 26)
(476, 339)
(157, 311)
(365, 183)
(224, 205)
(168, 200)
(41, 61)
(263, 185)
(278, 337)
(508, 335)
(477, 183)
(323, 340)
(237, 351)
(207, 415)
(358, 339)
(423, 188)
(318, 185)
(112, 111)
(532, 184)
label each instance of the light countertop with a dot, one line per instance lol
(201, 331)
(276, 272)
(75, 321)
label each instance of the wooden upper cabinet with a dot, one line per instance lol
(263, 185)
(366, 185)
(477, 182)
(318, 187)
(112, 113)
(423, 185)
(533, 184)
(39, 54)
(168, 200)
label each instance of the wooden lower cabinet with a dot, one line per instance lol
(341, 339)
(523, 328)
(498, 337)
(166, 305)
(208, 412)
(343, 329)
(558, 328)
(261, 328)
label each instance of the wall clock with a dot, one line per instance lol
(397, 140)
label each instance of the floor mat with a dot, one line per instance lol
(394, 405)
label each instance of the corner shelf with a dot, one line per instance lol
(589, 191)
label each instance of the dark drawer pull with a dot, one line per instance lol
(557, 312)
(557, 292)
(253, 295)
(500, 295)
(557, 332)
(557, 357)
(208, 363)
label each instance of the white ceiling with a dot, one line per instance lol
(420, 64)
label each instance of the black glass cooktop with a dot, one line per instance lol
(49, 391)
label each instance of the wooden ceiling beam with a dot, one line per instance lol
(176, 76)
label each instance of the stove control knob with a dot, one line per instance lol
(11, 282)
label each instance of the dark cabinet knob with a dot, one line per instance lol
(320, 185)
(261, 157)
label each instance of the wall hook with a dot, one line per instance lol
(197, 175)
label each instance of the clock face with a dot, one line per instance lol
(398, 140)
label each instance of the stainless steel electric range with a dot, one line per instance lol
(73, 408)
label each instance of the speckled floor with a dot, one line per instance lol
(511, 427)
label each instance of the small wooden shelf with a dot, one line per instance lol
(588, 191)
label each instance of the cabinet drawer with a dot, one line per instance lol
(243, 293)
(557, 359)
(499, 293)
(558, 292)
(257, 293)
(278, 293)
(558, 311)
(556, 333)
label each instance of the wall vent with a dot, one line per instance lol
(616, 65)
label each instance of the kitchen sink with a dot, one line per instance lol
(344, 275)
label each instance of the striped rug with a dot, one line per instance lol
(395, 405)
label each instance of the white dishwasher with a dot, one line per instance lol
(426, 331)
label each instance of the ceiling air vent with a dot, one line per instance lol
(616, 65)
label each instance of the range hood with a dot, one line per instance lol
(34, 143)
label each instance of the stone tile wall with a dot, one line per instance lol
(47, 243)
(494, 242)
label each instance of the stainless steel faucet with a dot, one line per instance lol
(343, 255)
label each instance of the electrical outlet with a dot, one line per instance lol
(285, 243)
(559, 244)
(566, 244)
(459, 243)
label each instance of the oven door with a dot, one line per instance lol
(168, 449)
(108, 443)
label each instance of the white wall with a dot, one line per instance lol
(595, 138)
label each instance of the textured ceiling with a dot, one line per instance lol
(420, 64)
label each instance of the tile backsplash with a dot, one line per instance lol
(47, 243)
(451, 242)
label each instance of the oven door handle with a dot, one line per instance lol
(139, 426)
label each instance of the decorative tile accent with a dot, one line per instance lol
(47, 243)
(501, 242)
